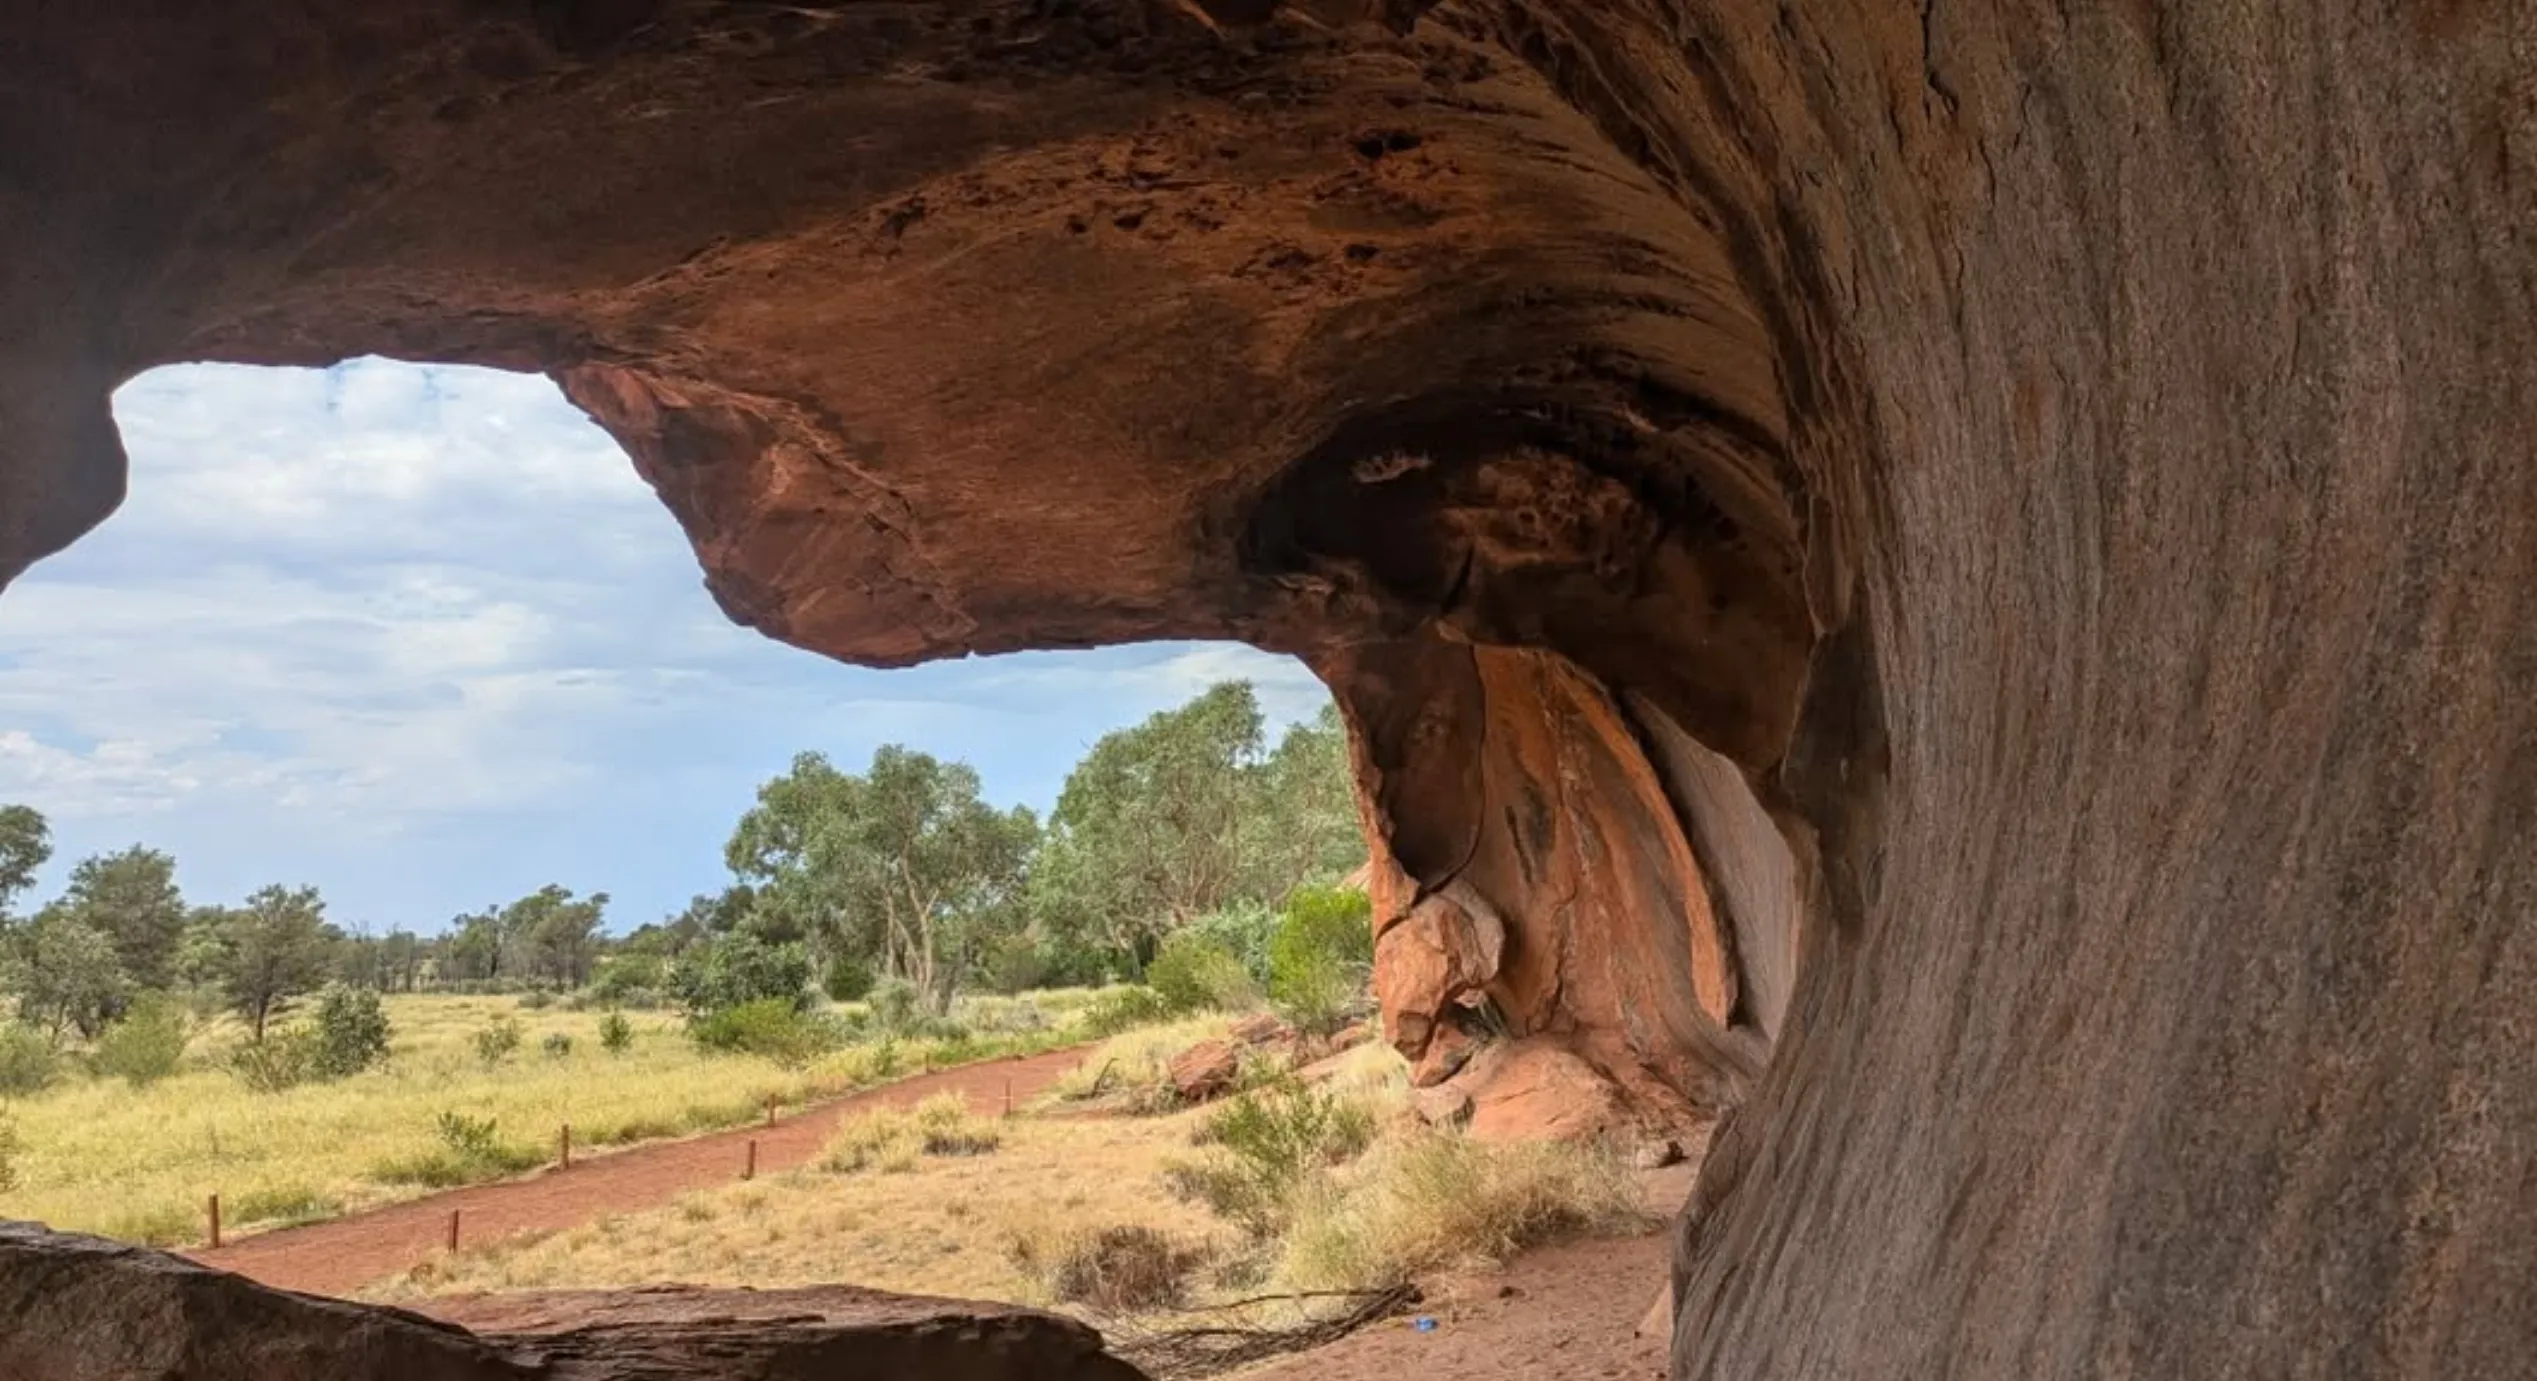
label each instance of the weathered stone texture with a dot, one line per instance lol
(2070, 461)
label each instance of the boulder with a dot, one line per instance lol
(1537, 1090)
(1429, 960)
(1441, 1106)
(84, 1309)
(1261, 1028)
(1206, 1070)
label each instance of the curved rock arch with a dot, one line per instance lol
(2064, 467)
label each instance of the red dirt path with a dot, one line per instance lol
(340, 1256)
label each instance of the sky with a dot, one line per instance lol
(420, 637)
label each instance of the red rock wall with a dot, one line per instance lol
(2070, 460)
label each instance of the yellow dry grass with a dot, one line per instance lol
(923, 1224)
(100, 1156)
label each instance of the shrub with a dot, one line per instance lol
(147, 1045)
(946, 1128)
(1116, 1270)
(739, 968)
(28, 1064)
(1015, 964)
(284, 1204)
(1320, 957)
(1195, 972)
(891, 1139)
(848, 979)
(286, 1058)
(471, 1149)
(11, 1147)
(497, 1040)
(623, 979)
(894, 1003)
(616, 1034)
(537, 1000)
(1271, 1140)
(771, 1027)
(1438, 1201)
(886, 1139)
(1118, 1010)
(558, 1045)
(1244, 929)
(352, 1031)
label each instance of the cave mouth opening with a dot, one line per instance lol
(410, 580)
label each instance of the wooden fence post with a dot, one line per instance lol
(750, 1172)
(215, 1222)
(453, 1229)
(770, 1110)
(564, 1148)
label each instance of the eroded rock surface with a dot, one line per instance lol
(2068, 463)
(83, 1309)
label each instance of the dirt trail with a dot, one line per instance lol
(342, 1255)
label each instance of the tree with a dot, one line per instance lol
(64, 973)
(273, 949)
(904, 865)
(1148, 832)
(131, 898)
(474, 949)
(26, 844)
(1304, 825)
(552, 935)
(400, 960)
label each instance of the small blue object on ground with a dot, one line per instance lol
(1423, 1324)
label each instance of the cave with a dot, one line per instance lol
(1947, 586)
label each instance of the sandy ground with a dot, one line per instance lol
(342, 1255)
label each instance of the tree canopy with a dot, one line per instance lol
(902, 867)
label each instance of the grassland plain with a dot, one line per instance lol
(951, 1200)
(102, 1156)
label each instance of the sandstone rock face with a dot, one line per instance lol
(1536, 1090)
(82, 1309)
(2064, 465)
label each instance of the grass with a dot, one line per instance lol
(942, 1224)
(97, 1155)
(1133, 1069)
(1080, 1210)
(1430, 1201)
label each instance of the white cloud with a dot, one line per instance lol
(422, 630)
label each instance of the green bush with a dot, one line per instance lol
(471, 1149)
(1123, 1009)
(616, 1034)
(28, 1064)
(497, 1040)
(536, 1000)
(770, 1027)
(736, 969)
(624, 979)
(352, 1031)
(1270, 1140)
(1014, 964)
(848, 979)
(1321, 957)
(1194, 972)
(558, 1045)
(894, 1002)
(11, 1147)
(286, 1058)
(1243, 928)
(147, 1045)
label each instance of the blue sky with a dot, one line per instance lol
(419, 636)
